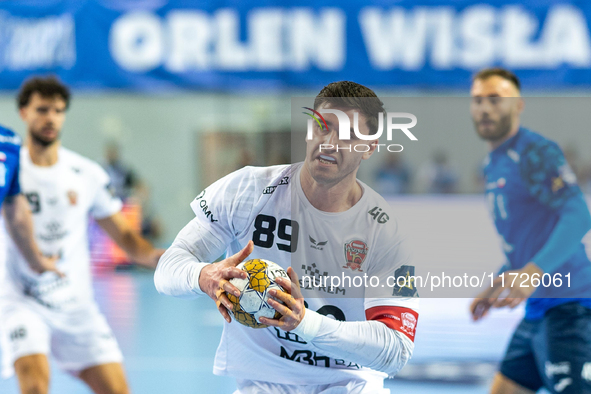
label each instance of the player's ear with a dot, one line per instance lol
(520, 105)
(22, 112)
(372, 148)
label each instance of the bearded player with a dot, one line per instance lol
(322, 342)
(541, 216)
(56, 314)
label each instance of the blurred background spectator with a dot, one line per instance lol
(394, 177)
(438, 176)
(122, 177)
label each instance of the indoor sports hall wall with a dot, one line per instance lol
(162, 137)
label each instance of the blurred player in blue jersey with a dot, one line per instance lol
(541, 216)
(16, 210)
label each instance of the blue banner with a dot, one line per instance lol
(153, 45)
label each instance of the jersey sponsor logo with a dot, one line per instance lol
(53, 232)
(205, 207)
(355, 253)
(3, 174)
(269, 189)
(378, 215)
(288, 336)
(317, 245)
(499, 183)
(513, 155)
(306, 356)
(15, 139)
(317, 281)
(313, 358)
(586, 372)
(567, 174)
(18, 333)
(562, 368)
(408, 289)
(72, 197)
(562, 384)
(76, 170)
(346, 364)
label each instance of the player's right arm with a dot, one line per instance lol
(19, 223)
(185, 269)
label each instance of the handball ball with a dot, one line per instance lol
(254, 292)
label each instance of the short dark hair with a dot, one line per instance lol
(347, 94)
(499, 72)
(47, 87)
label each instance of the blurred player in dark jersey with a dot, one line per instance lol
(541, 217)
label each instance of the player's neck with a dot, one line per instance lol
(495, 144)
(331, 198)
(43, 156)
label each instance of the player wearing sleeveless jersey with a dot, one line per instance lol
(56, 314)
(318, 217)
(541, 216)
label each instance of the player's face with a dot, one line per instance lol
(44, 117)
(330, 165)
(495, 107)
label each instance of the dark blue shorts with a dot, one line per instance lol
(554, 352)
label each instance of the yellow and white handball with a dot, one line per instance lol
(254, 292)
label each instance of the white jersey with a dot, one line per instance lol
(267, 205)
(61, 198)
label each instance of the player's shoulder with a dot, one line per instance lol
(380, 212)
(537, 152)
(260, 178)
(531, 143)
(80, 164)
(9, 137)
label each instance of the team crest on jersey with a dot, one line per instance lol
(355, 253)
(72, 197)
(2, 156)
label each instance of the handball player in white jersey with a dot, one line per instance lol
(317, 217)
(55, 313)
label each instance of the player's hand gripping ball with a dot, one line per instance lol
(254, 292)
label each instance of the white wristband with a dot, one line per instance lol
(309, 326)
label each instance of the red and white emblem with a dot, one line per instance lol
(355, 252)
(409, 322)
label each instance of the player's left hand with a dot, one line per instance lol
(521, 290)
(292, 309)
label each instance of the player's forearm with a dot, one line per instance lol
(19, 224)
(573, 224)
(369, 343)
(177, 273)
(139, 249)
(179, 267)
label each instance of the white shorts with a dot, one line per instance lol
(76, 340)
(347, 387)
